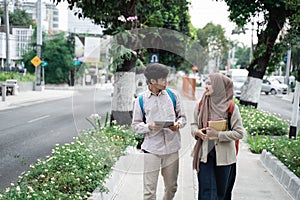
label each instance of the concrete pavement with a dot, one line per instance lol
(254, 180)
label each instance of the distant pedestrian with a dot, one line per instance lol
(215, 151)
(161, 143)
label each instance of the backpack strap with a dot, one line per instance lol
(229, 111)
(171, 94)
(142, 107)
(141, 101)
(199, 105)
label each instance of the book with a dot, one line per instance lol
(165, 124)
(219, 124)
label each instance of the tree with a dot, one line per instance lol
(58, 52)
(212, 39)
(119, 18)
(17, 18)
(242, 54)
(272, 16)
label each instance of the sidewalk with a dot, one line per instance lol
(31, 97)
(254, 182)
(48, 94)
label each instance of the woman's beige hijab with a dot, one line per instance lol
(213, 106)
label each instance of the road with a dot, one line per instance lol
(275, 104)
(28, 133)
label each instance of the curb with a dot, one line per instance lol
(288, 180)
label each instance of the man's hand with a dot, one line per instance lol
(175, 126)
(154, 127)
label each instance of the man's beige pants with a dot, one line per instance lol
(169, 165)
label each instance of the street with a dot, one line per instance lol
(275, 104)
(30, 132)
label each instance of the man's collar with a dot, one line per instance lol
(149, 93)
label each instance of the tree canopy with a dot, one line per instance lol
(58, 52)
(17, 18)
(274, 18)
(119, 15)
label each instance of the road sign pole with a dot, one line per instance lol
(38, 68)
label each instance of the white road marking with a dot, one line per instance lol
(39, 118)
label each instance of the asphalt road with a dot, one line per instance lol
(275, 104)
(28, 133)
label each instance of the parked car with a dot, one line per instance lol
(281, 87)
(273, 86)
(238, 77)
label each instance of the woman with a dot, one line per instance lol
(215, 153)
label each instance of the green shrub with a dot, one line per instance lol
(265, 131)
(74, 171)
(262, 123)
(287, 151)
(15, 75)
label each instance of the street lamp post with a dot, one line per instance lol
(7, 35)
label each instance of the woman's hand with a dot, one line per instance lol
(211, 133)
(201, 133)
(206, 133)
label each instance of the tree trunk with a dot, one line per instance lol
(123, 95)
(262, 53)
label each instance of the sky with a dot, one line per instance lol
(205, 11)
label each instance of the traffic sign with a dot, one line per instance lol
(154, 58)
(44, 63)
(36, 61)
(76, 62)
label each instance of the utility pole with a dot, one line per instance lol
(293, 126)
(7, 67)
(38, 70)
(287, 67)
(251, 48)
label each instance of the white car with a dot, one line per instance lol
(274, 87)
(238, 77)
(281, 87)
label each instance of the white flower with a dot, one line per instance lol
(30, 189)
(132, 18)
(122, 18)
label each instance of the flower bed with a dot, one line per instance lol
(74, 171)
(269, 132)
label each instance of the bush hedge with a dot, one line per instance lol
(17, 76)
(74, 171)
(270, 132)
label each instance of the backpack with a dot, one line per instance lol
(140, 139)
(229, 111)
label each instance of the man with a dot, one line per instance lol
(161, 143)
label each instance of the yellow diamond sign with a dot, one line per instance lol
(36, 61)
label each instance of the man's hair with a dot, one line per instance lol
(156, 71)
